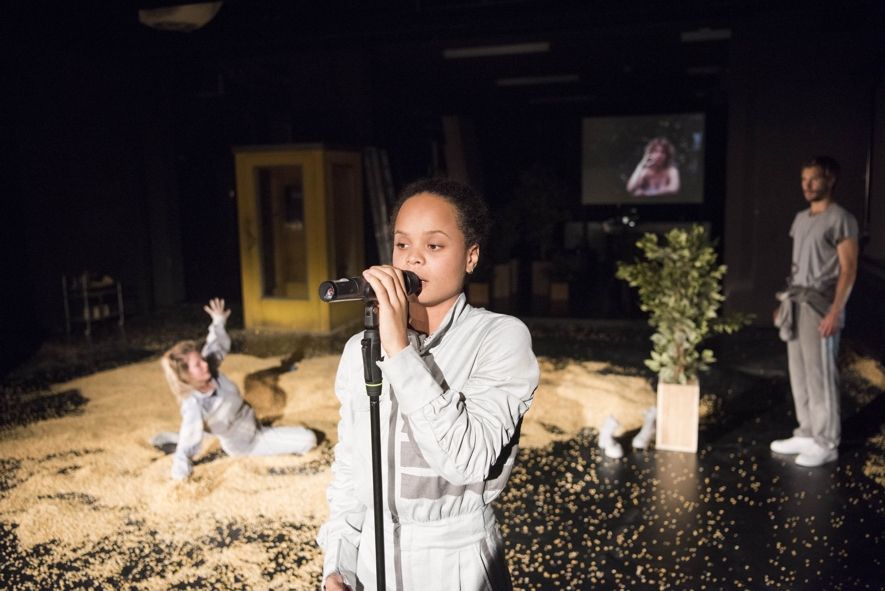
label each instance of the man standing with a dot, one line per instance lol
(812, 313)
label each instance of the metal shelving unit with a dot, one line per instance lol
(90, 300)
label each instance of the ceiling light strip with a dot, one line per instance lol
(534, 80)
(496, 50)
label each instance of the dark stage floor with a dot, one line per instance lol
(732, 516)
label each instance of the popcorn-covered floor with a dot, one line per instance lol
(86, 503)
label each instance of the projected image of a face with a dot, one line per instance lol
(656, 173)
(658, 153)
(643, 159)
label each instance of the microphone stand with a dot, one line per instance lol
(371, 346)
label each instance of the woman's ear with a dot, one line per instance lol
(472, 258)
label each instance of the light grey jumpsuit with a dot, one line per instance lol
(225, 414)
(451, 407)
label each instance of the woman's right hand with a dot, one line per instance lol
(393, 306)
(216, 310)
(335, 582)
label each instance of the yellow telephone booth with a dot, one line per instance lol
(300, 210)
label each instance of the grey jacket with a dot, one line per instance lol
(789, 298)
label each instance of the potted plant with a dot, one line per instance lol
(679, 286)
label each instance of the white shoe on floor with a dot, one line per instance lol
(164, 438)
(818, 455)
(607, 442)
(641, 440)
(793, 445)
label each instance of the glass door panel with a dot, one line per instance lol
(283, 235)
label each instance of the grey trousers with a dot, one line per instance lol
(814, 379)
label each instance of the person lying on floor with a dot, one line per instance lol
(208, 399)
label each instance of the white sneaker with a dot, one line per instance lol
(614, 450)
(607, 442)
(164, 438)
(818, 455)
(641, 440)
(793, 445)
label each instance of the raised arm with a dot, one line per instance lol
(634, 185)
(217, 341)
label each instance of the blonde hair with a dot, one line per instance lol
(174, 363)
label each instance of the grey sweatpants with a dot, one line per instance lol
(814, 379)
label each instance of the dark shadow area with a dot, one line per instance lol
(294, 346)
(262, 390)
(863, 415)
(743, 404)
(59, 360)
(38, 406)
(622, 344)
(210, 457)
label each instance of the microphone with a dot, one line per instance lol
(357, 288)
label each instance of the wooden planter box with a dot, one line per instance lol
(677, 420)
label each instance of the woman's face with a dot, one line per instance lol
(428, 242)
(657, 155)
(198, 374)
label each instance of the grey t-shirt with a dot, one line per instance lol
(815, 237)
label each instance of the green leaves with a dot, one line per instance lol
(679, 285)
